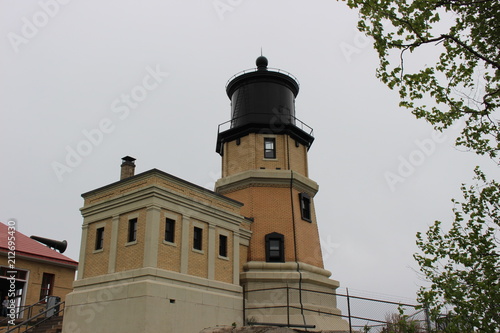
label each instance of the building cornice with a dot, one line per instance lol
(140, 179)
(157, 196)
(266, 178)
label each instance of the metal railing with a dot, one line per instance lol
(269, 69)
(280, 119)
(22, 311)
(363, 314)
(32, 319)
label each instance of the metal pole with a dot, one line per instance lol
(349, 309)
(287, 306)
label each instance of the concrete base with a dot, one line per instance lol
(151, 300)
(298, 294)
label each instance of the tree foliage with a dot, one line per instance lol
(463, 264)
(463, 83)
(460, 85)
(400, 323)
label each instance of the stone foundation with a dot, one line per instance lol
(307, 290)
(151, 300)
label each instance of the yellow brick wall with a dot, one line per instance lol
(63, 281)
(307, 235)
(198, 262)
(224, 267)
(130, 256)
(169, 256)
(96, 262)
(298, 157)
(271, 208)
(118, 190)
(249, 155)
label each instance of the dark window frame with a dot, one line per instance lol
(270, 152)
(275, 247)
(305, 207)
(169, 230)
(47, 285)
(132, 230)
(20, 274)
(99, 239)
(223, 245)
(197, 239)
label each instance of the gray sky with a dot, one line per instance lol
(67, 66)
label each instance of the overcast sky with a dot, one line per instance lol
(67, 68)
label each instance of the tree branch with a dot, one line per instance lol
(471, 50)
(456, 40)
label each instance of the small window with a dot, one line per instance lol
(197, 238)
(170, 230)
(275, 247)
(132, 230)
(305, 206)
(18, 274)
(99, 238)
(223, 246)
(269, 148)
(47, 285)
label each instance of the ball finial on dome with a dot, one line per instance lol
(261, 62)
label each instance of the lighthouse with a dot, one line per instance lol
(159, 253)
(264, 149)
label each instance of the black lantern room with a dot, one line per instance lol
(263, 101)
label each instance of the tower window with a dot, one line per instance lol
(170, 230)
(223, 246)
(275, 247)
(197, 238)
(99, 238)
(269, 148)
(132, 230)
(305, 206)
(47, 285)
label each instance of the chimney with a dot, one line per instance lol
(128, 167)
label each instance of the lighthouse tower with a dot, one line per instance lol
(264, 150)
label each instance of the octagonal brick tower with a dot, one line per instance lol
(264, 165)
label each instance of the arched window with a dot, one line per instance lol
(275, 247)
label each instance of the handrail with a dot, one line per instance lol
(303, 126)
(251, 70)
(27, 321)
(22, 309)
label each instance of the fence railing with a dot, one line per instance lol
(35, 315)
(270, 69)
(362, 313)
(277, 118)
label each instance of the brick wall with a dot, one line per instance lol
(249, 155)
(130, 255)
(169, 255)
(224, 266)
(198, 260)
(271, 208)
(96, 262)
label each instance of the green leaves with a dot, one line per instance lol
(460, 84)
(463, 263)
(463, 83)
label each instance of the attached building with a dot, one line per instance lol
(161, 254)
(39, 270)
